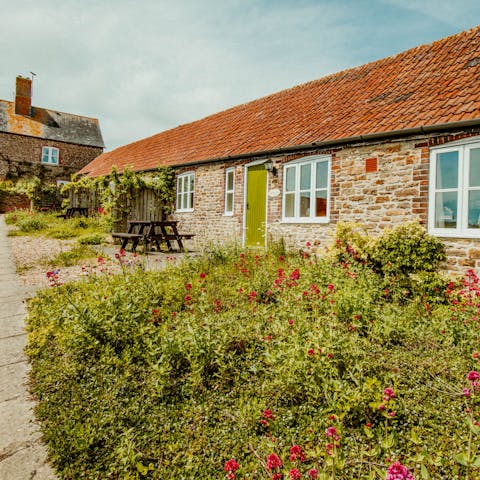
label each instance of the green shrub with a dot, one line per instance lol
(242, 354)
(407, 249)
(73, 256)
(91, 239)
(32, 224)
(62, 232)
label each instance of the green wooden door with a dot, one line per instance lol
(256, 206)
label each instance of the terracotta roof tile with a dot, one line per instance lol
(425, 86)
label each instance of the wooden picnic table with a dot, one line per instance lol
(152, 231)
(72, 211)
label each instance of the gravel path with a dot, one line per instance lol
(33, 253)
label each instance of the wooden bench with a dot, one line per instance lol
(135, 234)
(168, 234)
(70, 212)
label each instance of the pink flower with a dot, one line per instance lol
(466, 392)
(231, 465)
(295, 474)
(313, 473)
(388, 394)
(391, 414)
(381, 406)
(331, 432)
(273, 461)
(397, 471)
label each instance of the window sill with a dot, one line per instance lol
(455, 234)
(228, 214)
(49, 163)
(321, 220)
(189, 210)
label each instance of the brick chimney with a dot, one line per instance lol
(23, 96)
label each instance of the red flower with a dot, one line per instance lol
(473, 375)
(231, 465)
(203, 275)
(295, 275)
(188, 286)
(295, 474)
(273, 461)
(251, 296)
(296, 454)
(268, 414)
(188, 298)
(313, 473)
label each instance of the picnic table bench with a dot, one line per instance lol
(149, 232)
(71, 211)
(168, 233)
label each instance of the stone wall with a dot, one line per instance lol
(378, 185)
(20, 156)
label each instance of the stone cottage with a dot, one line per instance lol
(392, 140)
(48, 144)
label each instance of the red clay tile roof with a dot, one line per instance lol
(428, 85)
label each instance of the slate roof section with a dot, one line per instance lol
(426, 86)
(51, 125)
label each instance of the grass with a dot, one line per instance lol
(50, 226)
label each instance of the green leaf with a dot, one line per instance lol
(462, 459)
(424, 472)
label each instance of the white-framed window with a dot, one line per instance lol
(185, 191)
(454, 190)
(306, 190)
(229, 190)
(50, 155)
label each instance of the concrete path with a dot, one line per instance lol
(22, 454)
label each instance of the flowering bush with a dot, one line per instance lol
(248, 365)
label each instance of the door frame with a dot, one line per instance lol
(245, 192)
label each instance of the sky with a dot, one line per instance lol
(144, 66)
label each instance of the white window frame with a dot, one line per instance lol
(184, 196)
(313, 160)
(463, 148)
(52, 154)
(229, 171)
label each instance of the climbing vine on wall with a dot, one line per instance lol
(117, 191)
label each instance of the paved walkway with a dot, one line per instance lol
(22, 454)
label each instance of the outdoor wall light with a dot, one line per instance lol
(270, 167)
